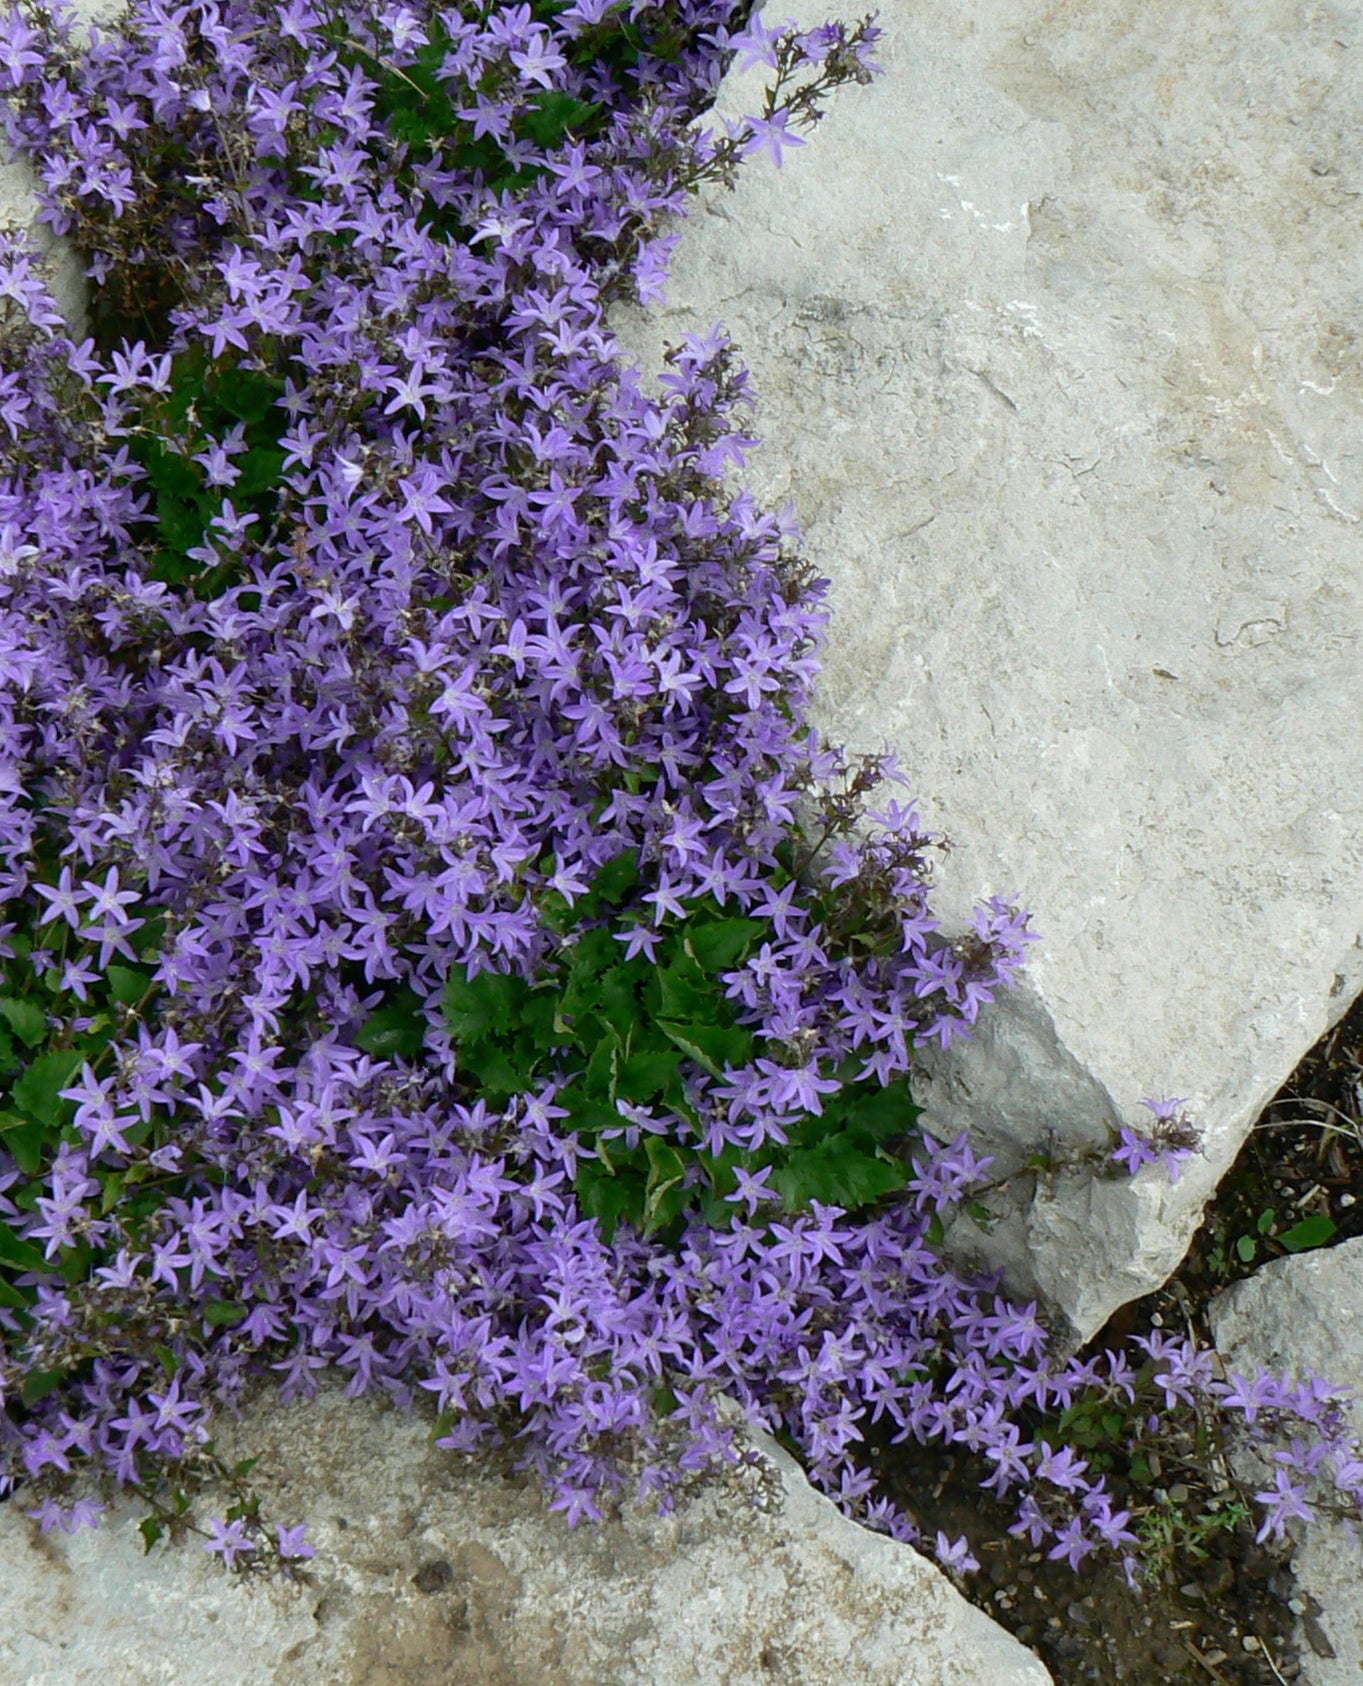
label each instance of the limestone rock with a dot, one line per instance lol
(430, 1574)
(19, 207)
(1305, 1314)
(1054, 335)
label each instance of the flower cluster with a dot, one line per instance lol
(354, 617)
(1171, 1143)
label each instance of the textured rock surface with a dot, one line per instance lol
(18, 207)
(429, 1575)
(1054, 332)
(1306, 1314)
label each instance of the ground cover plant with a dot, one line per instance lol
(437, 945)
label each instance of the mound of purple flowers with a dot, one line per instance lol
(308, 703)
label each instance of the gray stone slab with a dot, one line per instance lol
(19, 208)
(1054, 332)
(1305, 1314)
(721, 1594)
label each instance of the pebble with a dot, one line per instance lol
(1250, 1642)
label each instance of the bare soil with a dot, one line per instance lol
(1215, 1606)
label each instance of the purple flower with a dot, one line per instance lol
(229, 1540)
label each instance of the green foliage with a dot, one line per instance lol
(1170, 1533)
(1314, 1231)
(412, 100)
(206, 399)
(623, 1034)
(1301, 1237)
(47, 1036)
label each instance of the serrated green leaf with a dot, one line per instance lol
(221, 1314)
(1310, 1232)
(488, 1005)
(646, 1075)
(151, 1531)
(36, 1092)
(39, 1383)
(604, 1197)
(614, 881)
(666, 1169)
(25, 1140)
(398, 1028)
(260, 471)
(16, 1298)
(553, 114)
(688, 995)
(837, 1175)
(26, 1019)
(602, 1068)
(126, 985)
(712, 1046)
(880, 1113)
(19, 1254)
(718, 947)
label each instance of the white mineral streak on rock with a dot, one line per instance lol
(1054, 332)
(429, 1574)
(1305, 1315)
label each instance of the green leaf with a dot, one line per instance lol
(719, 947)
(603, 1068)
(25, 1141)
(20, 1254)
(880, 1113)
(261, 470)
(488, 1005)
(37, 1090)
(552, 114)
(151, 1531)
(837, 1175)
(604, 1197)
(39, 1383)
(646, 1075)
(712, 1046)
(14, 1297)
(1266, 1221)
(688, 995)
(615, 880)
(397, 1028)
(126, 985)
(502, 1068)
(26, 1019)
(1246, 1247)
(247, 394)
(1310, 1232)
(666, 1168)
(221, 1314)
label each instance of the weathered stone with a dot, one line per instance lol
(1305, 1314)
(428, 1574)
(1054, 336)
(19, 206)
